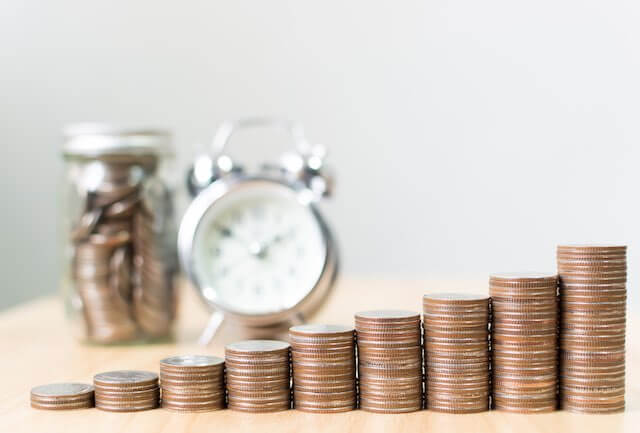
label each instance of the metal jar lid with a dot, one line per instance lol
(99, 139)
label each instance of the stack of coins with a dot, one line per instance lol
(192, 383)
(154, 264)
(456, 342)
(258, 376)
(324, 368)
(124, 253)
(126, 390)
(62, 396)
(524, 341)
(389, 361)
(593, 298)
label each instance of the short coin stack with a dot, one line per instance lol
(324, 368)
(192, 383)
(456, 341)
(126, 390)
(593, 299)
(62, 396)
(389, 361)
(524, 342)
(258, 376)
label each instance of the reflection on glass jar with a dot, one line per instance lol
(119, 235)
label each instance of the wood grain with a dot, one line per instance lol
(38, 347)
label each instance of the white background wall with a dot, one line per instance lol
(467, 136)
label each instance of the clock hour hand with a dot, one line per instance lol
(228, 233)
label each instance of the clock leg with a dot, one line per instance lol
(212, 327)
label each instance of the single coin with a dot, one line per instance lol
(257, 346)
(520, 276)
(386, 315)
(320, 330)
(192, 361)
(124, 377)
(63, 391)
(453, 298)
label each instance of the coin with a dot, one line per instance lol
(191, 362)
(125, 377)
(389, 361)
(126, 390)
(524, 341)
(456, 343)
(115, 245)
(593, 323)
(192, 383)
(258, 375)
(62, 396)
(324, 368)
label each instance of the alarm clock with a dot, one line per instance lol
(254, 245)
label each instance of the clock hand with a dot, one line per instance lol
(264, 247)
(242, 260)
(234, 235)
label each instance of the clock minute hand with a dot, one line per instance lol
(275, 240)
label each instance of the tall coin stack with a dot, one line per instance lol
(258, 376)
(524, 342)
(593, 299)
(192, 383)
(126, 390)
(456, 341)
(389, 361)
(324, 368)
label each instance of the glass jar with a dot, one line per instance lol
(119, 253)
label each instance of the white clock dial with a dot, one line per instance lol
(258, 250)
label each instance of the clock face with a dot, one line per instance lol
(258, 250)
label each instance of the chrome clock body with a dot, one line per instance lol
(256, 247)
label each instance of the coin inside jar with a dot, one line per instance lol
(124, 259)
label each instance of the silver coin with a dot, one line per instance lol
(193, 361)
(257, 346)
(455, 297)
(125, 376)
(62, 390)
(86, 224)
(387, 314)
(321, 329)
(524, 275)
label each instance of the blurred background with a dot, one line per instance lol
(467, 137)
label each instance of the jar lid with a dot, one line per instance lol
(98, 139)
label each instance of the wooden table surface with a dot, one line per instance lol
(38, 348)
